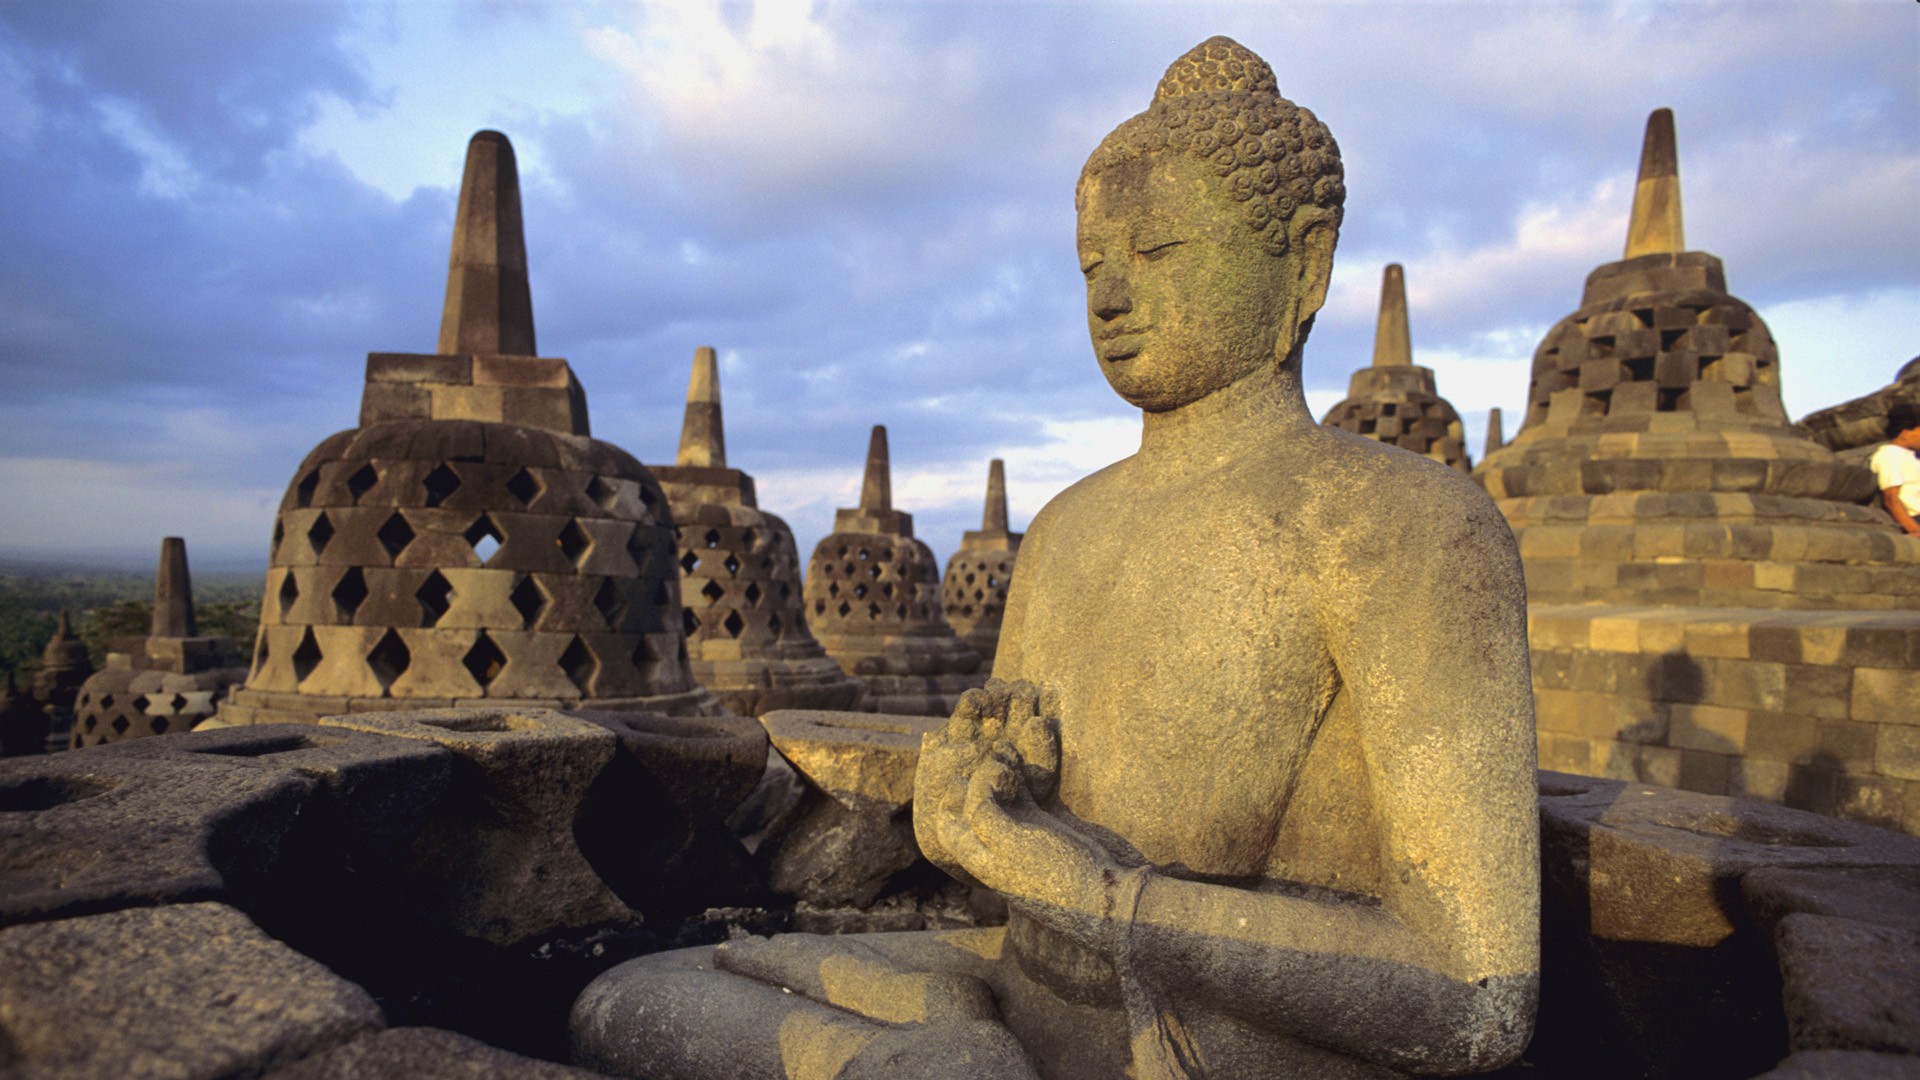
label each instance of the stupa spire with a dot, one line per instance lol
(994, 518)
(1496, 434)
(876, 490)
(1391, 343)
(703, 442)
(1656, 226)
(172, 592)
(489, 308)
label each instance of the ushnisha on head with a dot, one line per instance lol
(1219, 104)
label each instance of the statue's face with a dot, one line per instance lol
(1181, 299)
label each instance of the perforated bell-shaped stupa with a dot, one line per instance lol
(468, 543)
(974, 592)
(1655, 463)
(163, 683)
(1395, 400)
(873, 600)
(746, 623)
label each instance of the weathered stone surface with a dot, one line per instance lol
(1849, 985)
(1886, 896)
(93, 830)
(484, 550)
(1265, 805)
(747, 636)
(184, 991)
(497, 859)
(852, 831)
(1395, 401)
(654, 823)
(1657, 969)
(974, 592)
(423, 1054)
(873, 601)
(1845, 1065)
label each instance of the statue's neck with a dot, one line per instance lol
(1266, 404)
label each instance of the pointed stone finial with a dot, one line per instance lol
(1496, 434)
(172, 592)
(994, 519)
(489, 306)
(1391, 343)
(703, 443)
(1656, 227)
(876, 490)
(62, 630)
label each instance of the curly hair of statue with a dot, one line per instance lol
(1219, 104)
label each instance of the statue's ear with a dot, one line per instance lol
(1311, 235)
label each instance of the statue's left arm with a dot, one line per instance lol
(1427, 628)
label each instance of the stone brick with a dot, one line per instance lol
(1746, 685)
(1897, 751)
(1565, 752)
(1704, 772)
(1876, 800)
(1721, 638)
(1879, 647)
(1886, 696)
(1757, 779)
(1614, 634)
(1774, 644)
(1818, 690)
(1781, 737)
(1846, 745)
(1823, 645)
(418, 368)
(1712, 728)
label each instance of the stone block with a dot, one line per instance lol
(1876, 800)
(1885, 696)
(1774, 643)
(1846, 745)
(1758, 779)
(1880, 646)
(97, 829)
(497, 859)
(467, 403)
(853, 830)
(1712, 728)
(1849, 985)
(382, 403)
(1824, 692)
(521, 371)
(552, 410)
(187, 990)
(423, 1054)
(1705, 772)
(1897, 751)
(417, 368)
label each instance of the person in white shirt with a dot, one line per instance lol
(1896, 469)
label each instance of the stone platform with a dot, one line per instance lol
(1813, 709)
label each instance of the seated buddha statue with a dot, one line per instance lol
(1256, 770)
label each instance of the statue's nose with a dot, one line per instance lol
(1108, 295)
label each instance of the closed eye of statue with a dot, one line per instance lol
(1156, 250)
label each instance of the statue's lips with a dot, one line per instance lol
(1121, 343)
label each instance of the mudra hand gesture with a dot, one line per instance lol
(981, 797)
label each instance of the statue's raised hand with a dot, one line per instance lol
(1015, 718)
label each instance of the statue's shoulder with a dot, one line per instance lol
(1363, 498)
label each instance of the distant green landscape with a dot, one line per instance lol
(105, 604)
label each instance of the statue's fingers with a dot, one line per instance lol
(964, 725)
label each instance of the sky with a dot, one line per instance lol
(214, 210)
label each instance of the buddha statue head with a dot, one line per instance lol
(1219, 183)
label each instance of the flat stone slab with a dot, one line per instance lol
(857, 758)
(95, 830)
(182, 992)
(1845, 1065)
(424, 1054)
(1663, 865)
(1849, 985)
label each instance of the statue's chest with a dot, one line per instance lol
(1190, 603)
